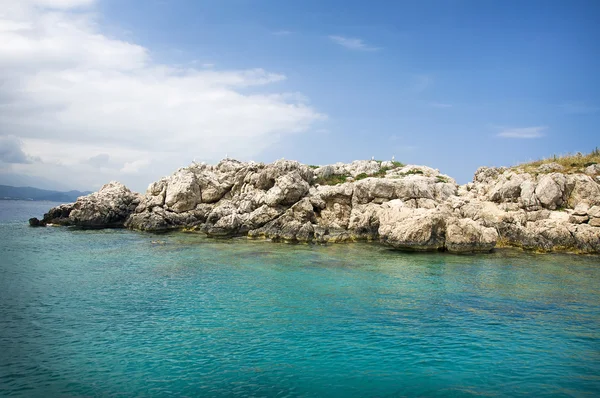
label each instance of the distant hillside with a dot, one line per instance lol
(28, 193)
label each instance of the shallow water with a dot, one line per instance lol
(97, 313)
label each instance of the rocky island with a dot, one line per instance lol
(543, 206)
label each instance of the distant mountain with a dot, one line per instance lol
(8, 192)
(23, 180)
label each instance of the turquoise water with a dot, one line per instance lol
(110, 313)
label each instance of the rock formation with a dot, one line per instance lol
(406, 207)
(110, 207)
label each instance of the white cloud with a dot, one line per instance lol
(352, 43)
(58, 4)
(522, 132)
(135, 166)
(71, 93)
(11, 151)
(100, 160)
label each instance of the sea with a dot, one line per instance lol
(118, 313)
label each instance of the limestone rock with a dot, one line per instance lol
(553, 190)
(593, 169)
(288, 189)
(183, 191)
(575, 219)
(549, 167)
(411, 229)
(108, 208)
(584, 189)
(409, 208)
(581, 209)
(467, 236)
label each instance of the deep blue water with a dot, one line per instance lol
(116, 313)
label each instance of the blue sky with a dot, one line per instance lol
(450, 84)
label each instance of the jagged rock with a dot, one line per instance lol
(58, 215)
(581, 209)
(148, 221)
(183, 191)
(549, 168)
(575, 219)
(363, 167)
(291, 226)
(108, 208)
(467, 236)
(593, 169)
(583, 189)
(409, 208)
(325, 171)
(35, 222)
(529, 200)
(379, 189)
(594, 211)
(288, 189)
(486, 174)
(364, 221)
(553, 190)
(411, 229)
(508, 188)
(587, 238)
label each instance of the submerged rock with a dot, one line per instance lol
(35, 222)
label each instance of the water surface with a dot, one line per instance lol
(121, 313)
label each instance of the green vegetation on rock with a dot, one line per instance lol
(333, 179)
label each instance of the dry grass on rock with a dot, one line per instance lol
(569, 163)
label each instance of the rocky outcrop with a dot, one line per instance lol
(110, 207)
(406, 207)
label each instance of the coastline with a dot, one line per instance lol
(406, 207)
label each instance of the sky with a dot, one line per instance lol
(131, 90)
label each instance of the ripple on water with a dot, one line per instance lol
(96, 313)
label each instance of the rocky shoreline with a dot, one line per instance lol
(406, 207)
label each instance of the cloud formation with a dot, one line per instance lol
(352, 43)
(11, 151)
(72, 95)
(101, 160)
(522, 132)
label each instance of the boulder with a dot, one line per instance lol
(550, 167)
(553, 190)
(583, 190)
(34, 222)
(575, 219)
(108, 208)
(411, 229)
(468, 236)
(182, 191)
(581, 209)
(594, 211)
(288, 189)
(58, 215)
(593, 169)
